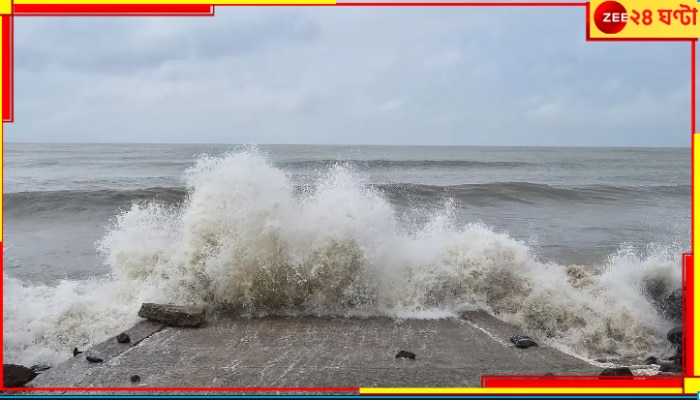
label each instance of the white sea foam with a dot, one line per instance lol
(245, 241)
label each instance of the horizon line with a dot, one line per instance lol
(351, 145)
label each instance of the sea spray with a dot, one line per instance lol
(245, 240)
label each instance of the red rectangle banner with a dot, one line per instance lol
(582, 382)
(113, 10)
(7, 69)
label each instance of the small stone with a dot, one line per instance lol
(135, 379)
(94, 359)
(123, 338)
(16, 375)
(522, 341)
(675, 335)
(621, 371)
(549, 374)
(406, 354)
(180, 316)
(76, 352)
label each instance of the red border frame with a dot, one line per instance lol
(45, 10)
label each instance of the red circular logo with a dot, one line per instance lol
(610, 17)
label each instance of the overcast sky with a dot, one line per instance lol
(347, 75)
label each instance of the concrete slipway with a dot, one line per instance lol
(310, 352)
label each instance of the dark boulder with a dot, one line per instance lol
(14, 376)
(94, 359)
(135, 379)
(620, 371)
(406, 354)
(76, 352)
(675, 336)
(522, 341)
(179, 316)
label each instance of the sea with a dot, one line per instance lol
(573, 246)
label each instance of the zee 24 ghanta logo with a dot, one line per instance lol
(611, 17)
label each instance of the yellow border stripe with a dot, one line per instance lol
(583, 390)
(6, 7)
(210, 2)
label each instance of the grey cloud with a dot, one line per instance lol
(122, 48)
(347, 75)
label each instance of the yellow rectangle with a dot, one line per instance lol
(210, 2)
(5, 7)
(583, 390)
(680, 11)
(691, 385)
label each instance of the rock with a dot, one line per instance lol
(16, 375)
(40, 368)
(76, 352)
(522, 341)
(406, 354)
(94, 359)
(123, 338)
(675, 336)
(180, 316)
(668, 367)
(549, 374)
(135, 379)
(621, 371)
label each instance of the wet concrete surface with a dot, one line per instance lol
(232, 352)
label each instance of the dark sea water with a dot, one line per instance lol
(403, 231)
